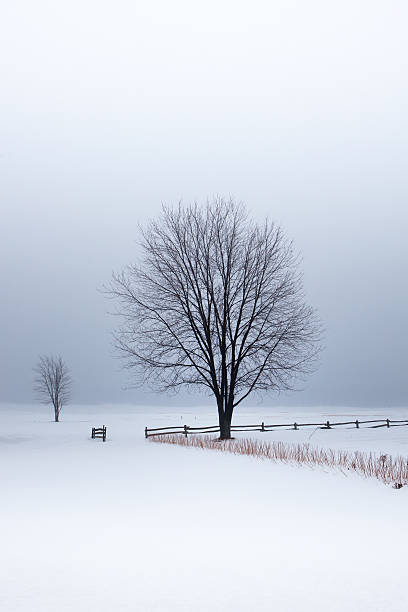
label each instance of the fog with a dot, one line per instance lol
(110, 109)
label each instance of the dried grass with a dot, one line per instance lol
(385, 468)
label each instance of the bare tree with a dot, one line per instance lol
(52, 383)
(217, 302)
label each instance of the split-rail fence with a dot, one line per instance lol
(187, 430)
(99, 432)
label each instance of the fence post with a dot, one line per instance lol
(93, 432)
(328, 425)
(388, 422)
(185, 430)
(104, 434)
(295, 426)
(263, 426)
(357, 424)
(146, 434)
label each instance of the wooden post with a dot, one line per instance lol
(263, 426)
(388, 422)
(93, 432)
(104, 433)
(185, 430)
(328, 425)
(295, 426)
(357, 424)
(146, 434)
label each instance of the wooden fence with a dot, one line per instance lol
(187, 430)
(99, 432)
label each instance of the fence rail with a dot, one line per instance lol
(264, 427)
(99, 432)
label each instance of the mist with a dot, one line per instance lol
(110, 110)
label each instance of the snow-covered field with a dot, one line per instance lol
(135, 526)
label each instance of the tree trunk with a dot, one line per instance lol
(225, 430)
(224, 422)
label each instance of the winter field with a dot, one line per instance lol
(128, 525)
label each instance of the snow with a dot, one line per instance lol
(129, 525)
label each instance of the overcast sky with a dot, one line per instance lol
(297, 108)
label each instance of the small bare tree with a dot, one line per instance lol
(218, 303)
(52, 383)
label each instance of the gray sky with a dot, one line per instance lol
(109, 109)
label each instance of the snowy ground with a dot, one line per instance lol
(135, 526)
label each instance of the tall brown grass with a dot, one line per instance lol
(385, 468)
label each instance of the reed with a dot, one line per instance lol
(389, 470)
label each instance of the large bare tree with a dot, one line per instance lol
(216, 302)
(52, 383)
